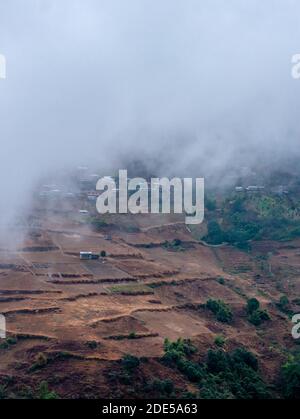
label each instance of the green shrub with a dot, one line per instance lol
(41, 360)
(184, 346)
(130, 362)
(12, 341)
(258, 317)
(175, 351)
(221, 281)
(284, 305)
(291, 378)
(8, 342)
(217, 361)
(4, 345)
(215, 235)
(252, 305)
(224, 314)
(220, 341)
(233, 375)
(176, 245)
(44, 393)
(221, 310)
(92, 344)
(284, 301)
(191, 370)
(223, 375)
(241, 355)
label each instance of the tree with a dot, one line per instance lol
(215, 234)
(291, 378)
(220, 341)
(221, 310)
(258, 317)
(284, 304)
(217, 361)
(252, 305)
(224, 375)
(224, 314)
(241, 355)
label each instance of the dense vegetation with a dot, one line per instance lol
(252, 216)
(222, 376)
(256, 316)
(291, 378)
(221, 310)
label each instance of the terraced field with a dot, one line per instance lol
(84, 316)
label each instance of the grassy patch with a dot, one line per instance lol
(131, 289)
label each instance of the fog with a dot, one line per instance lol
(183, 85)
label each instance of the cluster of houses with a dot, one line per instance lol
(252, 188)
(280, 190)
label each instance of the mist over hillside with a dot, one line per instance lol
(205, 88)
(118, 286)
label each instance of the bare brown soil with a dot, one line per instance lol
(55, 303)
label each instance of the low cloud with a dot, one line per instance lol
(196, 86)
